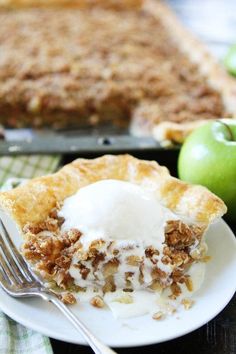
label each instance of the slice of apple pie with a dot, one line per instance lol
(110, 224)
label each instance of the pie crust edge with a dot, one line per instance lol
(33, 201)
(169, 132)
(120, 4)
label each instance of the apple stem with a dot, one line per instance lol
(228, 129)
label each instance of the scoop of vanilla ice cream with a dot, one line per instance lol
(129, 215)
(113, 209)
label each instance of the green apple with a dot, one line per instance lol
(208, 157)
(230, 60)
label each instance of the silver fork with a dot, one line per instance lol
(18, 280)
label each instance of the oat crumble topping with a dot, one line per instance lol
(97, 301)
(96, 65)
(187, 303)
(51, 252)
(158, 315)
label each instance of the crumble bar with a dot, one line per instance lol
(95, 65)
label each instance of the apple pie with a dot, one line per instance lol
(114, 223)
(129, 63)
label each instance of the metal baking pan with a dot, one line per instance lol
(29, 141)
(110, 139)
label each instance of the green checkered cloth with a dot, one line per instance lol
(27, 166)
(15, 338)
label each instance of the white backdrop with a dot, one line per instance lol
(214, 21)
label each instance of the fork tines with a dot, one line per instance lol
(14, 270)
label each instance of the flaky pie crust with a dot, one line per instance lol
(116, 4)
(198, 53)
(33, 201)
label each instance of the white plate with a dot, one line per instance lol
(217, 290)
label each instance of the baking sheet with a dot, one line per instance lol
(216, 31)
(29, 141)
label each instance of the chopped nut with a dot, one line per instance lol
(109, 285)
(74, 235)
(156, 286)
(84, 271)
(187, 303)
(110, 267)
(63, 261)
(151, 251)
(157, 273)
(181, 235)
(68, 298)
(97, 301)
(128, 277)
(158, 315)
(128, 290)
(188, 283)
(176, 290)
(166, 260)
(53, 213)
(206, 259)
(97, 244)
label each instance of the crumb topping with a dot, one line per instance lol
(53, 253)
(180, 235)
(94, 66)
(97, 301)
(67, 298)
(187, 303)
(158, 315)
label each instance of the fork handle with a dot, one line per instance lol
(95, 344)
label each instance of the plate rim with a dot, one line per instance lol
(52, 334)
